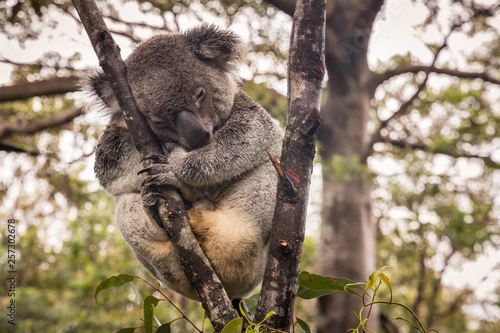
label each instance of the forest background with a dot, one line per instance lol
(407, 172)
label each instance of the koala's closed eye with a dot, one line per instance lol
(200, 95)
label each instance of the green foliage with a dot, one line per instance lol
(234, 326)
(113, 281)
(313, 286)
(438, 206)
(22, 16)
(165, 328)
(303, 325)
(150, 302)
(343, 169)
(447, 220)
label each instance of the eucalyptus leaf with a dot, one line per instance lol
(114, 281)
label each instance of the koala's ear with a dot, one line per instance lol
(96, 83)
(222, 47)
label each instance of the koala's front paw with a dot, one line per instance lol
(150, 194)
(159, 171)
(151, 159)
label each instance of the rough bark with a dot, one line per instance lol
(39, 125)
(305, 75)
(25, 90)
(348, 235)
(170, 211)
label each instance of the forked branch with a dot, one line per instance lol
(305, 76)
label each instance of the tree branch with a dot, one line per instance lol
(116, 32)
(377, 136)
(382, 77)
(305, 75)
(286, 6)
(378, 79)
(40, 125)
(437, 287)
(421, 281)
(171, 212)
(404, 107)
(9, 148)
(38, 65)
(54, 86)
(455, 154)
(370, 10)
(136, 24)
(488, 161)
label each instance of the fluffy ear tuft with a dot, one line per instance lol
(95, 83)
(222, 47)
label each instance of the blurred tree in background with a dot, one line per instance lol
(409, 151)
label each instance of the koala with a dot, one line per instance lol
(215, 139)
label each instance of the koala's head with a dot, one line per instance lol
(184, 84)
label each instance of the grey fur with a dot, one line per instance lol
(216, 142)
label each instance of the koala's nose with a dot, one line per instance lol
(191, 129)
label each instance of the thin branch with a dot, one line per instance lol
(9, 148)
(403, 144)
(40, 125)
(53, 86)
(286, 6)
(437, 286)
(404, 107)
(127, 35)
(131, 24)
(382, 77)
(136, 24)
(37, 65)
(488, 161)
(421, 281)
(378, 79)
(116, 32)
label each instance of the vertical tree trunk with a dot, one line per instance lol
(348, 235)
(347, 241)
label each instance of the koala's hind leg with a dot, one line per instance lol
(150, 244)
(231, 243)
(233, 246)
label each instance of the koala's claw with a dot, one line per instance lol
(155, 158)
(151, 170)
(143, 171)
(151, 162)
(151, 180)
(150, 194)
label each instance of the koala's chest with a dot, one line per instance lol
(206, 197)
